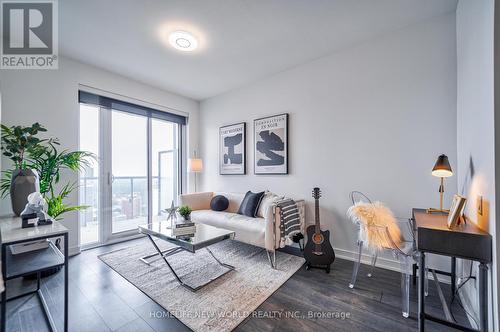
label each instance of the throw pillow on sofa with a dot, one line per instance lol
(250, 204)
(219, 203)
(267, 200)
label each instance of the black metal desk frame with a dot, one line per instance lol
(466, 242)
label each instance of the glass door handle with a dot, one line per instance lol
(111, 178)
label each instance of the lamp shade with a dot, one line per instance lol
(195, 165)
(442, 168)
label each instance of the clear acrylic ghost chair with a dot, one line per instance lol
(404, 252)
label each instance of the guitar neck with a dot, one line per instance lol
(316, 216)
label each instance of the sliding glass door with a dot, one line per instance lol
(137, 172)
(129, 171)
(89, 193)
(165, 165)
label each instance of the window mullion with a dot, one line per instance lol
(150, 169)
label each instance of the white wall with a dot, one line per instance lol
(372, 118)
(475, 127)
(51, 98)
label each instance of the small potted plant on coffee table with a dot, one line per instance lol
(185, 212)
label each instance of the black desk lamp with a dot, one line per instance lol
(441, 169)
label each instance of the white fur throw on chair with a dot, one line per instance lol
(374, 219)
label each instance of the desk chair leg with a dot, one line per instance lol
(414, 278)
(356, 265)
(372, 267)
(405, 263)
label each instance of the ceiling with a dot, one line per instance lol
(241, 41)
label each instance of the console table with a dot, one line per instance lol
(33, 262)
(465, 241)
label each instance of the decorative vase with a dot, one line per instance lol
(187, 217)
(23, 183)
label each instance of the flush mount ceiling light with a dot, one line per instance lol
(183, 41)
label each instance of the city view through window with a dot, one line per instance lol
(125, 169)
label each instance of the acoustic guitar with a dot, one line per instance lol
(318, 251)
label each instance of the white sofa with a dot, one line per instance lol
(262, 231)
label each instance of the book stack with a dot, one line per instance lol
(184, 229)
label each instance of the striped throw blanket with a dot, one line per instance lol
(289, 220)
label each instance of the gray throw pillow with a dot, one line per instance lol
(250, 204)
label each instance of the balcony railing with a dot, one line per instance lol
(130, 197)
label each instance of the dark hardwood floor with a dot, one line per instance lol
(101, 300)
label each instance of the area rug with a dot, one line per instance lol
(218, 306)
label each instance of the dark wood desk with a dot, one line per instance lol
(466, 241)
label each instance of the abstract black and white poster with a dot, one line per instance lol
(271, 145)
(232, 143)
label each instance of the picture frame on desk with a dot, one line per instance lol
(456, 209)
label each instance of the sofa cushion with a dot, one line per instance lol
(197, 201)
(268, 199)
(234, 200)
(250, 204)
(219, 203)
(247, 229)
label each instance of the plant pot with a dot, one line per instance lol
(187, 217)
(23, 183)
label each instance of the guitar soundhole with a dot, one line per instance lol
(318, 238)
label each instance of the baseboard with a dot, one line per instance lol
(113, 241)
(74, 251)
(382, 262)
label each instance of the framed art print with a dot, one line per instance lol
(271, 145)
(232, 151)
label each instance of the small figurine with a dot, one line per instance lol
(172, 213)
(35, 211)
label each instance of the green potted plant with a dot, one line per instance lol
(18, 143)
(41, 157)
(185, 212)
(49, 162)
(43, 160)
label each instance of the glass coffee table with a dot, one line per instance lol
(204, 236)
